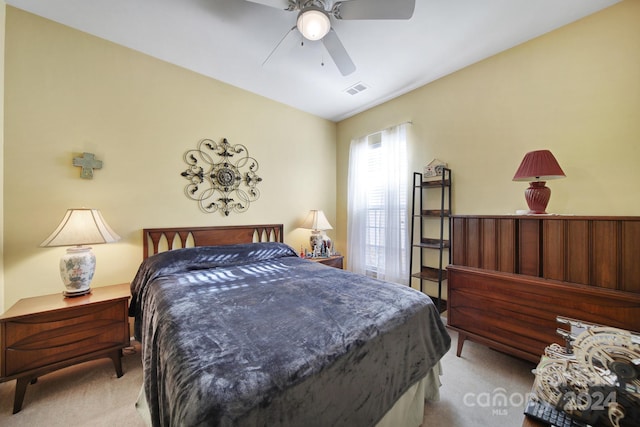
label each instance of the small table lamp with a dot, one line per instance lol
(317, 222)
(79, 227)
(538, 167)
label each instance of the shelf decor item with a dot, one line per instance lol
(537, 167)
(434, 170)
(79, 227)
(317, 222)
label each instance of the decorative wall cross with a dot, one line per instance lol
(88, 163)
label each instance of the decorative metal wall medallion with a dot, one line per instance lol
(222, 177)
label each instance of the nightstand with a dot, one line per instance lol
(332, 261)
(42, 334)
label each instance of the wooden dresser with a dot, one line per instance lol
(42, 334)
(512, 275)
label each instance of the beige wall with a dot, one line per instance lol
(67, 92)
(575, 91)
(2, 26)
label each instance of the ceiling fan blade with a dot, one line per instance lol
(374, 9)
(278, 45)
(338, 53)
(279, 4)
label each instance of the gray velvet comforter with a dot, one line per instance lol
(252, 335)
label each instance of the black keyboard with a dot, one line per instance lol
(546, 413)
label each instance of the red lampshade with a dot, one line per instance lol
(538, 166)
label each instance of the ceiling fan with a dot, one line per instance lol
(314, 20)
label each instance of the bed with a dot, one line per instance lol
(237, 330)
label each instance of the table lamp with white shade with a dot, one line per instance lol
(317, 222)
(79, 227)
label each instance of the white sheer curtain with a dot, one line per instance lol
(377, 205)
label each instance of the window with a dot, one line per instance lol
(374, 241)
(377, 205)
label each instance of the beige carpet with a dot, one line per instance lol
(89, 394)
(473, 386)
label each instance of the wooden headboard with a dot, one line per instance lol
(165, 239)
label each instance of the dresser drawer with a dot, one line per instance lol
(517, 313)
(51, 337)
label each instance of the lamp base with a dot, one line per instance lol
(537, 197)
(72, 294)
(76, 270)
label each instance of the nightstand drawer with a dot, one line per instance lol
(50, 337)
(332, 261)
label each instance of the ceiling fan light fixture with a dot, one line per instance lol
(313, 23)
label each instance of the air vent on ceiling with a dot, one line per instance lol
(356, 88)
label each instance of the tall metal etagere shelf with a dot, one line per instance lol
(431, 208)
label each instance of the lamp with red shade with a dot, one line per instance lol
(537, 167)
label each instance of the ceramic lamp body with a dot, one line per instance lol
(315, 239)
(537, 197)
(76, 270)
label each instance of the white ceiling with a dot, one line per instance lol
(229, 40)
